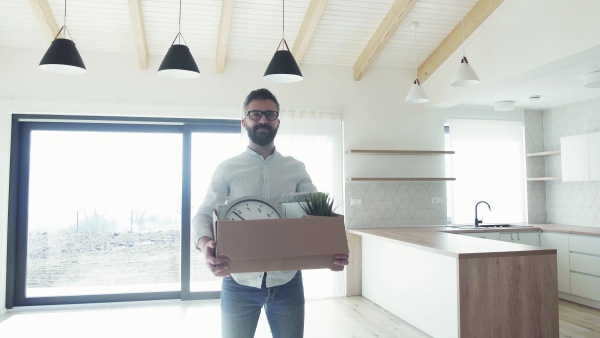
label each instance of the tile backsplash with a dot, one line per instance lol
(395, 204)
(575, 203)
(536, 190)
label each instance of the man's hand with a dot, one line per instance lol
(340, 260)
(217, 265)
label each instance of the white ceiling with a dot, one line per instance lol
(341, 35)
(256, 28)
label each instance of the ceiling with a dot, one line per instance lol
(327, 32)
(342, 31)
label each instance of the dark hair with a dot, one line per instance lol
(260, 94)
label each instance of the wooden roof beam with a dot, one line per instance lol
(139, 32)
(382, 35)
(222, 40)
(311, 20)
(45, 18)
(478, 14)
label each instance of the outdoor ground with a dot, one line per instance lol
(107, 259)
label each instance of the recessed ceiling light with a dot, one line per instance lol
(504, 105)
(592, 80)
(535, 97)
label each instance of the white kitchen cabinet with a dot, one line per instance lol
(580, 157)
(574, 158)
(528, 238)
(560, 242)
(585, 286)
(485, 235)
(594, 156)
(584, 260)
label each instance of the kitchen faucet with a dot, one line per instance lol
(478, 221)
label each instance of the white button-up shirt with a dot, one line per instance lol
(249, 174)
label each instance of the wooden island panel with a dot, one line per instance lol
(508, 297)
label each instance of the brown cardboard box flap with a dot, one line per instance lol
(277, 239)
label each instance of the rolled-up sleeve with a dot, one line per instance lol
(216, 194)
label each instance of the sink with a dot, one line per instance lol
(492, 225)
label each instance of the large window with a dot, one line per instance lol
(103, 212)
(100, 207)
(489, 166)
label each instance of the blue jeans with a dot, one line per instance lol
(241, 306)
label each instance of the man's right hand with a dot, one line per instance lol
(217, 265)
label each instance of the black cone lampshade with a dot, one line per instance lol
(283, 68)
(62, 57)
(179, 63)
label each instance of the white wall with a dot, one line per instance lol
(374, 113)
(514, 44)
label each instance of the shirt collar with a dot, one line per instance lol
(257, 155)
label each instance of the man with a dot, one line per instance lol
(260, 171)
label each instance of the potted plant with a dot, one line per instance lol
(318, 204)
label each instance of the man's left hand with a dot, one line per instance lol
(340, 260)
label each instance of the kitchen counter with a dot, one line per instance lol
(435, 239)
(570, 229)
(459, 286)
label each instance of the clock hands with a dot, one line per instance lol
(238, 215)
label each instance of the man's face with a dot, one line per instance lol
(263, 131)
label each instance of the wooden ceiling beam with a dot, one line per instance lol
(382, 35)
(311, 20)
(45, 18)
(139, 32)
(222, 40)
(476, 16)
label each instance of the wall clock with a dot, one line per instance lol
(250, 207)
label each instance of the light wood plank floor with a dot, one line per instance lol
(351, 317)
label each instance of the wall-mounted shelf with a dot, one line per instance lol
(545, 153)
(544, 178)
(399, 152)
(392, 179)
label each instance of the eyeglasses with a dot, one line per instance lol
(255, 115)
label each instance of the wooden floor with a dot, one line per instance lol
(351, 317)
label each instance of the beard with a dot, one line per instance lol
(262, 138)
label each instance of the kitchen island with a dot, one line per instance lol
(449, 285)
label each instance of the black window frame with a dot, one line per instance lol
(22, 125)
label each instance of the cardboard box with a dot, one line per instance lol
(280, 244)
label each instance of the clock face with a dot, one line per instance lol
(248, 208)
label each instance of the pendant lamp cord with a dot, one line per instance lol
(415, 57)
(462, 23)
(179, 21)
(65, 20)
(63, 29)
(283, 22)
(179, 35)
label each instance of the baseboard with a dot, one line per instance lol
(579, 300)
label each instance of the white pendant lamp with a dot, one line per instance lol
(283, 68)
(417, 93)
(62, 56)
(465, 74)
(179, 62)
(504, 106)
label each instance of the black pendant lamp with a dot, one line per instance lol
(62, 56)
(283, 67)
(179, 62)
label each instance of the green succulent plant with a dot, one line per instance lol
(318, 204)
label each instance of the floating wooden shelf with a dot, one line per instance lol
(543, 178)
(388, 179)
(545, 153)
(399, 152)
